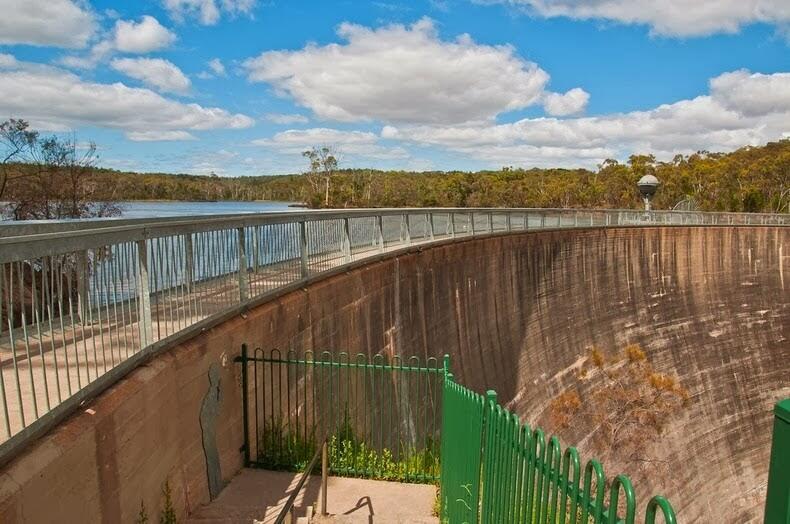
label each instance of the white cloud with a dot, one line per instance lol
(7, 60)
(753, 94)
(98, 53)
(159, 136)
(208, 12)
(402, 74)
(154, 72)
(354, 143)
(215, 64)
(741, 109)
(60, 23)
(282, 118)
(128, 37)
(142, 37)
(666, 17)
(57, 99)
(570, 103)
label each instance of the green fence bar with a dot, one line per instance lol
(777, 503)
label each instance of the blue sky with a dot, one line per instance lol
(241, 87)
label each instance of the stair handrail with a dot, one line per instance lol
(286, 514)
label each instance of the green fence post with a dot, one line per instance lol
(487, 464)
(777, 503)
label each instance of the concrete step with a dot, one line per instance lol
(248, 515)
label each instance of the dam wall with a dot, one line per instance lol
(516, 313)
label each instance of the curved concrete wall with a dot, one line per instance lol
(516, 313)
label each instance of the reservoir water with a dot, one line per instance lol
(153, 209)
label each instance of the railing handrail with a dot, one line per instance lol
(33, 227)
(100, 232)
(285, 512)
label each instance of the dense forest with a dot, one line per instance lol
(749, 179)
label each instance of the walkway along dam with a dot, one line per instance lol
(110, 330)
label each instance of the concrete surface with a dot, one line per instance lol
(256, 495)
(259, 495)
(516, 313)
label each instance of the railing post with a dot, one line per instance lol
(144, 296)
(82, 286)
(303, 247)
(575, 219)
(189, 256)
(324, 475)
(405, 229)
(429, 223)
(380, 232)
(777, 503)
(244, 285)
(543, 219)
(472, 222)
(346, 240)
(508, 222)
(490, 222)
(451, 225)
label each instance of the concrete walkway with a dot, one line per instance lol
(256, 495)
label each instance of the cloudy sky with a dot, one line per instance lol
(243, 86)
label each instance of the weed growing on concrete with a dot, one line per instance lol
(282, 449)
(627, 402)
(142, 516)
(168, 514)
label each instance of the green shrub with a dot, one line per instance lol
(168, 515)
(284, 450)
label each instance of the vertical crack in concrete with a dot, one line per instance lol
(209, 413)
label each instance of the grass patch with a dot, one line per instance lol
(281, 449)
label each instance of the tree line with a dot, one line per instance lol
(51, 177)
(751, 179)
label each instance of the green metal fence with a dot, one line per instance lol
(381, 417)
(777, 502)
(495, 469)
(381, 414)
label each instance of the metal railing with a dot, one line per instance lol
(83, 303)
(286, 515)
(382, 415)
(494, 469)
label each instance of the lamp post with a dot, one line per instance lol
(648, 185)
